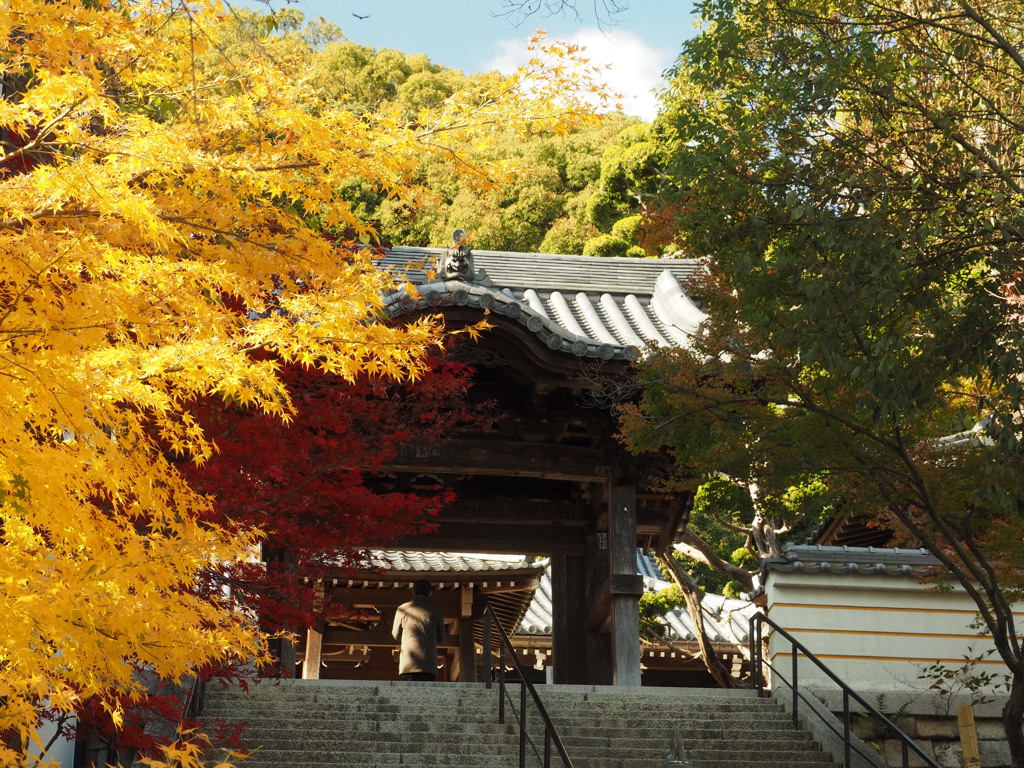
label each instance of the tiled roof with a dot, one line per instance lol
(725, 620)
(590, 307)
(868, 561)
(445, 562)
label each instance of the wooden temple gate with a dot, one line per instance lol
(549, 478)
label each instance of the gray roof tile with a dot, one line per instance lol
(868, 561)
(725, 620)
(608, 308)
(441, 562)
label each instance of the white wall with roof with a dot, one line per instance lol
(871, 616)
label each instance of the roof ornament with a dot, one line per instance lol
(456, 263)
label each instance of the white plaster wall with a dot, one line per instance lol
(62, 753)
(875, 631)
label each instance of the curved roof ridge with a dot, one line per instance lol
(587, 306)
(675, 307)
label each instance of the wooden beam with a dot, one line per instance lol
(506, 458)
(467, 652)
(568, 631)
(510, 539)
(450, 601)
(679, 516)
(617, 584)
(517, 511)
(625, 629)
(376, 637)
(311, 658)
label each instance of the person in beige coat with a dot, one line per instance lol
(418, 627)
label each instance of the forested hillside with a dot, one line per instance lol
(578, 192)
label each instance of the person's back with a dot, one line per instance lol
(419, 627)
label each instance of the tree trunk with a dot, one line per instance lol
(695, 547)
(691, 593)
(1013, 719)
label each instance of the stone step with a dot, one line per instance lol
(601, 720)
(720, 753)
(354, 689)
(796, 741)
(683, 707)
(378, 761)
(381, 710)
(309, 724)
(461, 744)
(478, 733)
(295, 759)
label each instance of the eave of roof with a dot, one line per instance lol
(448, 562)
(589, 307)
(865, 561)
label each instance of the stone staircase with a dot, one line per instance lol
(341, 724)
(689, 727)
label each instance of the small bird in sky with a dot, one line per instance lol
(361, 17)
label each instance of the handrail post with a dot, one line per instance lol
(501, 680)
(796, 696)
(487, 649)
(759, 650)
(753, 656)
(847, 745)
(522, 724)
(908, 744)
(526, 689)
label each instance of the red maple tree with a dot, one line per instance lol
(315, 486)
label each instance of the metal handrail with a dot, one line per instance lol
(550, 734)
(758, 664)
(192, 701)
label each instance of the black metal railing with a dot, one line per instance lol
(551, 739)
(851, 744)
(192, 700)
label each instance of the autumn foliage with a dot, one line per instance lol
(313, 485)
(162, 205)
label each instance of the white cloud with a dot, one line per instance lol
(634, 69)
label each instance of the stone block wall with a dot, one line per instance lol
(932, 723)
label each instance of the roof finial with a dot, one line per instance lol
(456, 263)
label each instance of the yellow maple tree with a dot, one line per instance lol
(155, 230)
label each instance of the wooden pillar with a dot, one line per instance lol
(598, 641)
(311, 659)
(288, 658)
(625, 592)
(568, 619)
(467, 644)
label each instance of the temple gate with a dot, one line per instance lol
(549, 478)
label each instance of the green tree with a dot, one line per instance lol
(852, 171)
(532, 199)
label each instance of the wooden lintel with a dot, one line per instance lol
(376, 637)
(506, 458)
(679, 516)
(450, 601)
(509, 539)
(518, 511)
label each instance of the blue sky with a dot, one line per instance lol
(471, 36)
